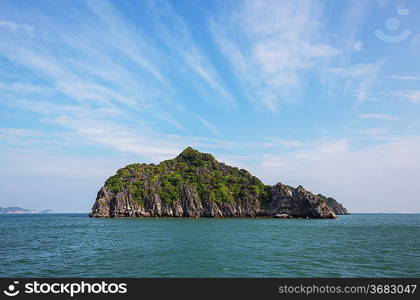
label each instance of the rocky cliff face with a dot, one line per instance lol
(336, 206)
(195, 185)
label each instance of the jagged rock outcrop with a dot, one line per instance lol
(195, 184)
(336, 206)
(296, 202)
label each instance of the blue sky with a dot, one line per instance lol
(320, 93)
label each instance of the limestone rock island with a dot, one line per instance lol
(195, 184)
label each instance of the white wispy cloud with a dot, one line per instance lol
(357, 79)
(24, 88)
(209, 126)
(20, 132)
(376, 132)
(152, 146)
(15, 26)
(125, 39)
(358, 46)
(286, 143)
(178, 37)
(410, 95)
(383, 117)
(404, 77)
(207, 73)
(50, 109)
(88, 68)
(269, 44)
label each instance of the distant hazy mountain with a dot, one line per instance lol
(20, 210)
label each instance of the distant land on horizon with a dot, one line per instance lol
(20, 210)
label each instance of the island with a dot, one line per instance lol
(19, 210)
(195, 184)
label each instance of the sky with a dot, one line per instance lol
(324, 94)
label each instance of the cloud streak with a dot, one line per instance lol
(15, 26)
(411, 95)
(269, 44)
(382, 117)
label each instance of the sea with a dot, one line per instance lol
(74, 245)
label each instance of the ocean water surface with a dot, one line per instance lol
(74, 245)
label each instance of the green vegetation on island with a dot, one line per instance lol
(195, 184)
(211, 179)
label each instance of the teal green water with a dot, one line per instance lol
(73, 245)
